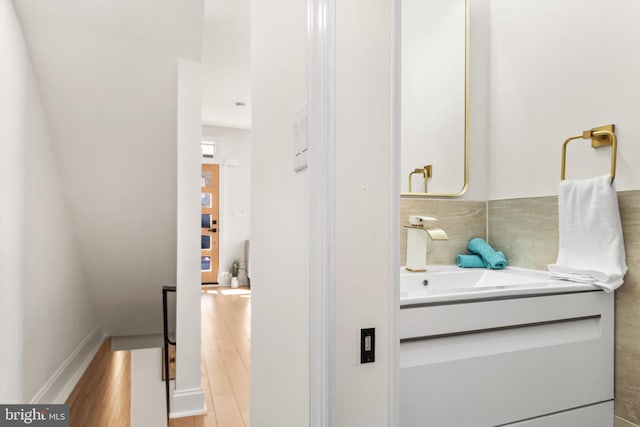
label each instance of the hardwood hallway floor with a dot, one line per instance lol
(226, 344)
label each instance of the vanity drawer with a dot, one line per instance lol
(433, 320)
(492, 363)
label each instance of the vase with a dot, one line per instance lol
(234, 282)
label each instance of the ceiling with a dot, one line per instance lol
(226, 60)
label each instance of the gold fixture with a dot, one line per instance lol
(601, 136)
(467, 91)
(435, 233)
(426, 172)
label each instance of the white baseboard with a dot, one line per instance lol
(58, 388)
(187, 403)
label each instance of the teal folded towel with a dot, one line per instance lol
(470, 261)
(492, 259)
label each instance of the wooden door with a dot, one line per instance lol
(209, 249)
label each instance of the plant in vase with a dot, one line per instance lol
(234, 269)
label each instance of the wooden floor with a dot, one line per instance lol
(102, 397)
(226, 331)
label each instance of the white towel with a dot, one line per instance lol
(591, 244)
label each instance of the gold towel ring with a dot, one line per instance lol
(601, 136)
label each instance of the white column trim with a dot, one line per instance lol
(187, 403)
(188, 395)
(322, 212)
(394, 218)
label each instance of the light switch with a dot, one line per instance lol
(367, 345)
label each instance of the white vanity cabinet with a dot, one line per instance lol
(529, 361)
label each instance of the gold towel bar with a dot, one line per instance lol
(601, 136)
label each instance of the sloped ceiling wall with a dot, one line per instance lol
(107, 73)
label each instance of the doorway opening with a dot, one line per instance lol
(210, 214)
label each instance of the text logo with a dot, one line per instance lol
(34, 415)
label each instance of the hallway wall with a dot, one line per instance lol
(45, 311)
(108, 78)
(279, 226)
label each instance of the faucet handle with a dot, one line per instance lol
(420, 219)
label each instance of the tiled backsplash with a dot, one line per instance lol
(462, 220)
(526, 230)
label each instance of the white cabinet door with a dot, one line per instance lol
(497, 362)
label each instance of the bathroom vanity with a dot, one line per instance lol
(504, 348)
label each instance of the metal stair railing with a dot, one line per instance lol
(167, 341)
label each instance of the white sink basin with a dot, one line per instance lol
(449, 282)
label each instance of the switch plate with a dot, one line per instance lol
(368, 345)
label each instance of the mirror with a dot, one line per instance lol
(434, 97)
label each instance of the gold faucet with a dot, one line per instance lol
(417, 242)
(436, 233)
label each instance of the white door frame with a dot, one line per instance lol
(394, 279)
(322, 212)
(322, 301)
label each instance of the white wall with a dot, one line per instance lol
(364, 260)
(233, 145)
(45, 311)
(107, 74)
(13, 81)
(279, 218)
(558, 68)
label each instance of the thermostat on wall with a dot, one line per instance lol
(301, 138)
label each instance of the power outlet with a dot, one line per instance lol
(368, 345)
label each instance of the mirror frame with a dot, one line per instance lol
(465, 185)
